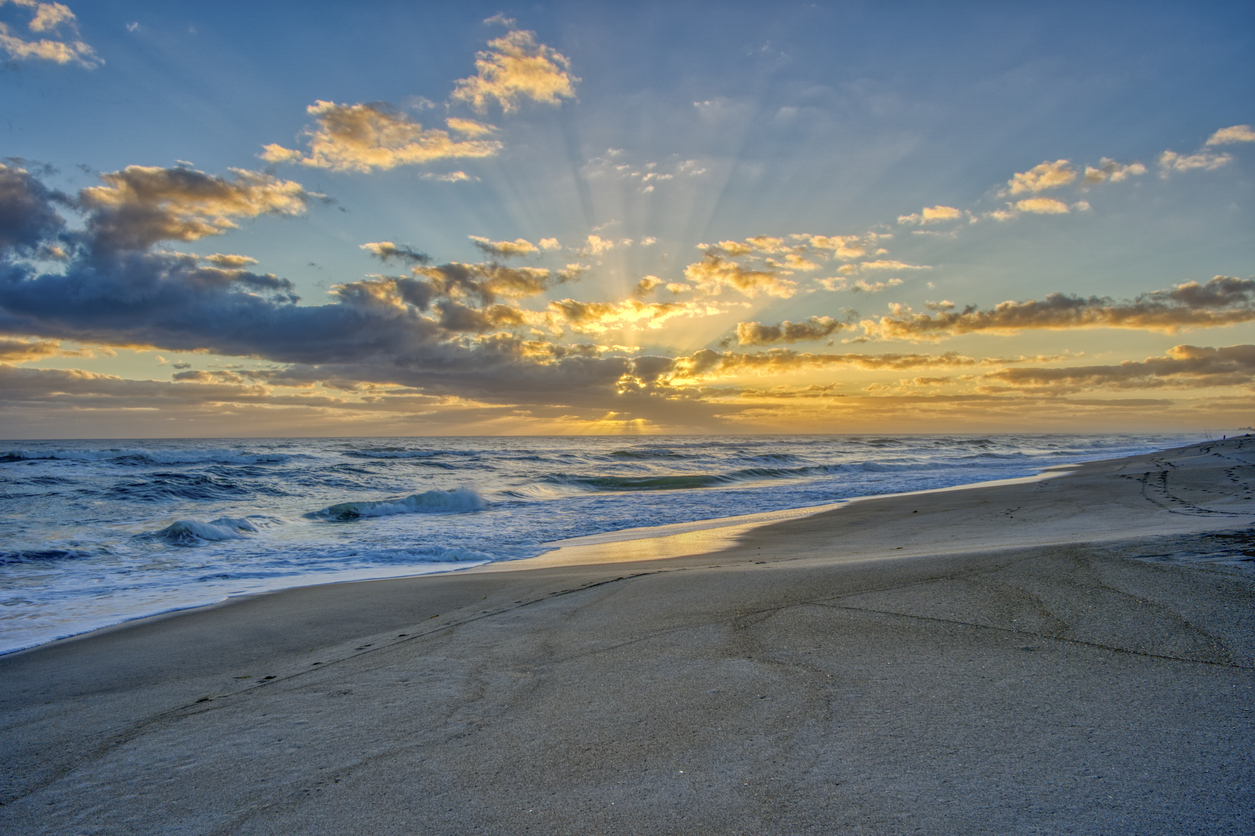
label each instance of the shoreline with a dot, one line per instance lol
(961, 661)
(661, 542)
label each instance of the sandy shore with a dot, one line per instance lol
(1072, 655)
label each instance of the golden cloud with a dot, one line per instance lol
(25, 351)
(1183, 366)
(505, 249)
(599, 317)
(386, 250)
(469, 127)
(858, 285)
(1047, 175)
(646, 286)
(46, 18)
(364, 137)
(841, 246)
(811, 328)
(932, 214)
(714, 272)
(1170, 161)
(1224, 300)
(1237, 133)
(709, 364)
(1111, 171)
(140, 205)
(514, 68)
(1042, 206)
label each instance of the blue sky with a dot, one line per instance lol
(307, 219)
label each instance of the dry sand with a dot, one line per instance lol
(1073, 655)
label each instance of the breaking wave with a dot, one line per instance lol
(459, 501)
(196, 532)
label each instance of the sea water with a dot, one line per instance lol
(93, 533)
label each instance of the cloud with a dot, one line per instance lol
(1042, 206)
(646, 176)
(812, 328)
(469, 127)
(505, 249)
(364, 137)
(488, 282)
(1111, 171)
(1184, 366)
(1237, 133)
(514, 68)
(549, 244)
(596, 245)
(646, 286)
(1224, 300)
(228, 261)
(858, 285)
(1170, 161)
(25, 351)
(1047, 175)
(28, 217)
(386, 250)
(449, 177)
(793, 261)
(932, 214)
(439, 330)
(1036, 206)
(141, 205)
(715, 272)
(841, 246)
(46, 18)
(710, 364)
(881, 265)
(599, 317)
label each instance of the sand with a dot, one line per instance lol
(1068, 655)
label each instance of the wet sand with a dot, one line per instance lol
(1069, 655)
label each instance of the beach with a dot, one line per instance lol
(1073, 654)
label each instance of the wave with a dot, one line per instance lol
(165, 486)
(39, 556)
(687, 481)
(648, 453)
(458, 501)
(772, 458)
(145, 457)
(407, 453)
(195, 532)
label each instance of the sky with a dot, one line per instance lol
(280, 218)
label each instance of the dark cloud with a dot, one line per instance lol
(28, 218)
(419, 331)
(812, 328)
(386, 251)
(1184, 366)
(1224, 300)
(141, 205)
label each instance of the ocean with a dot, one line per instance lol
(93, 533)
